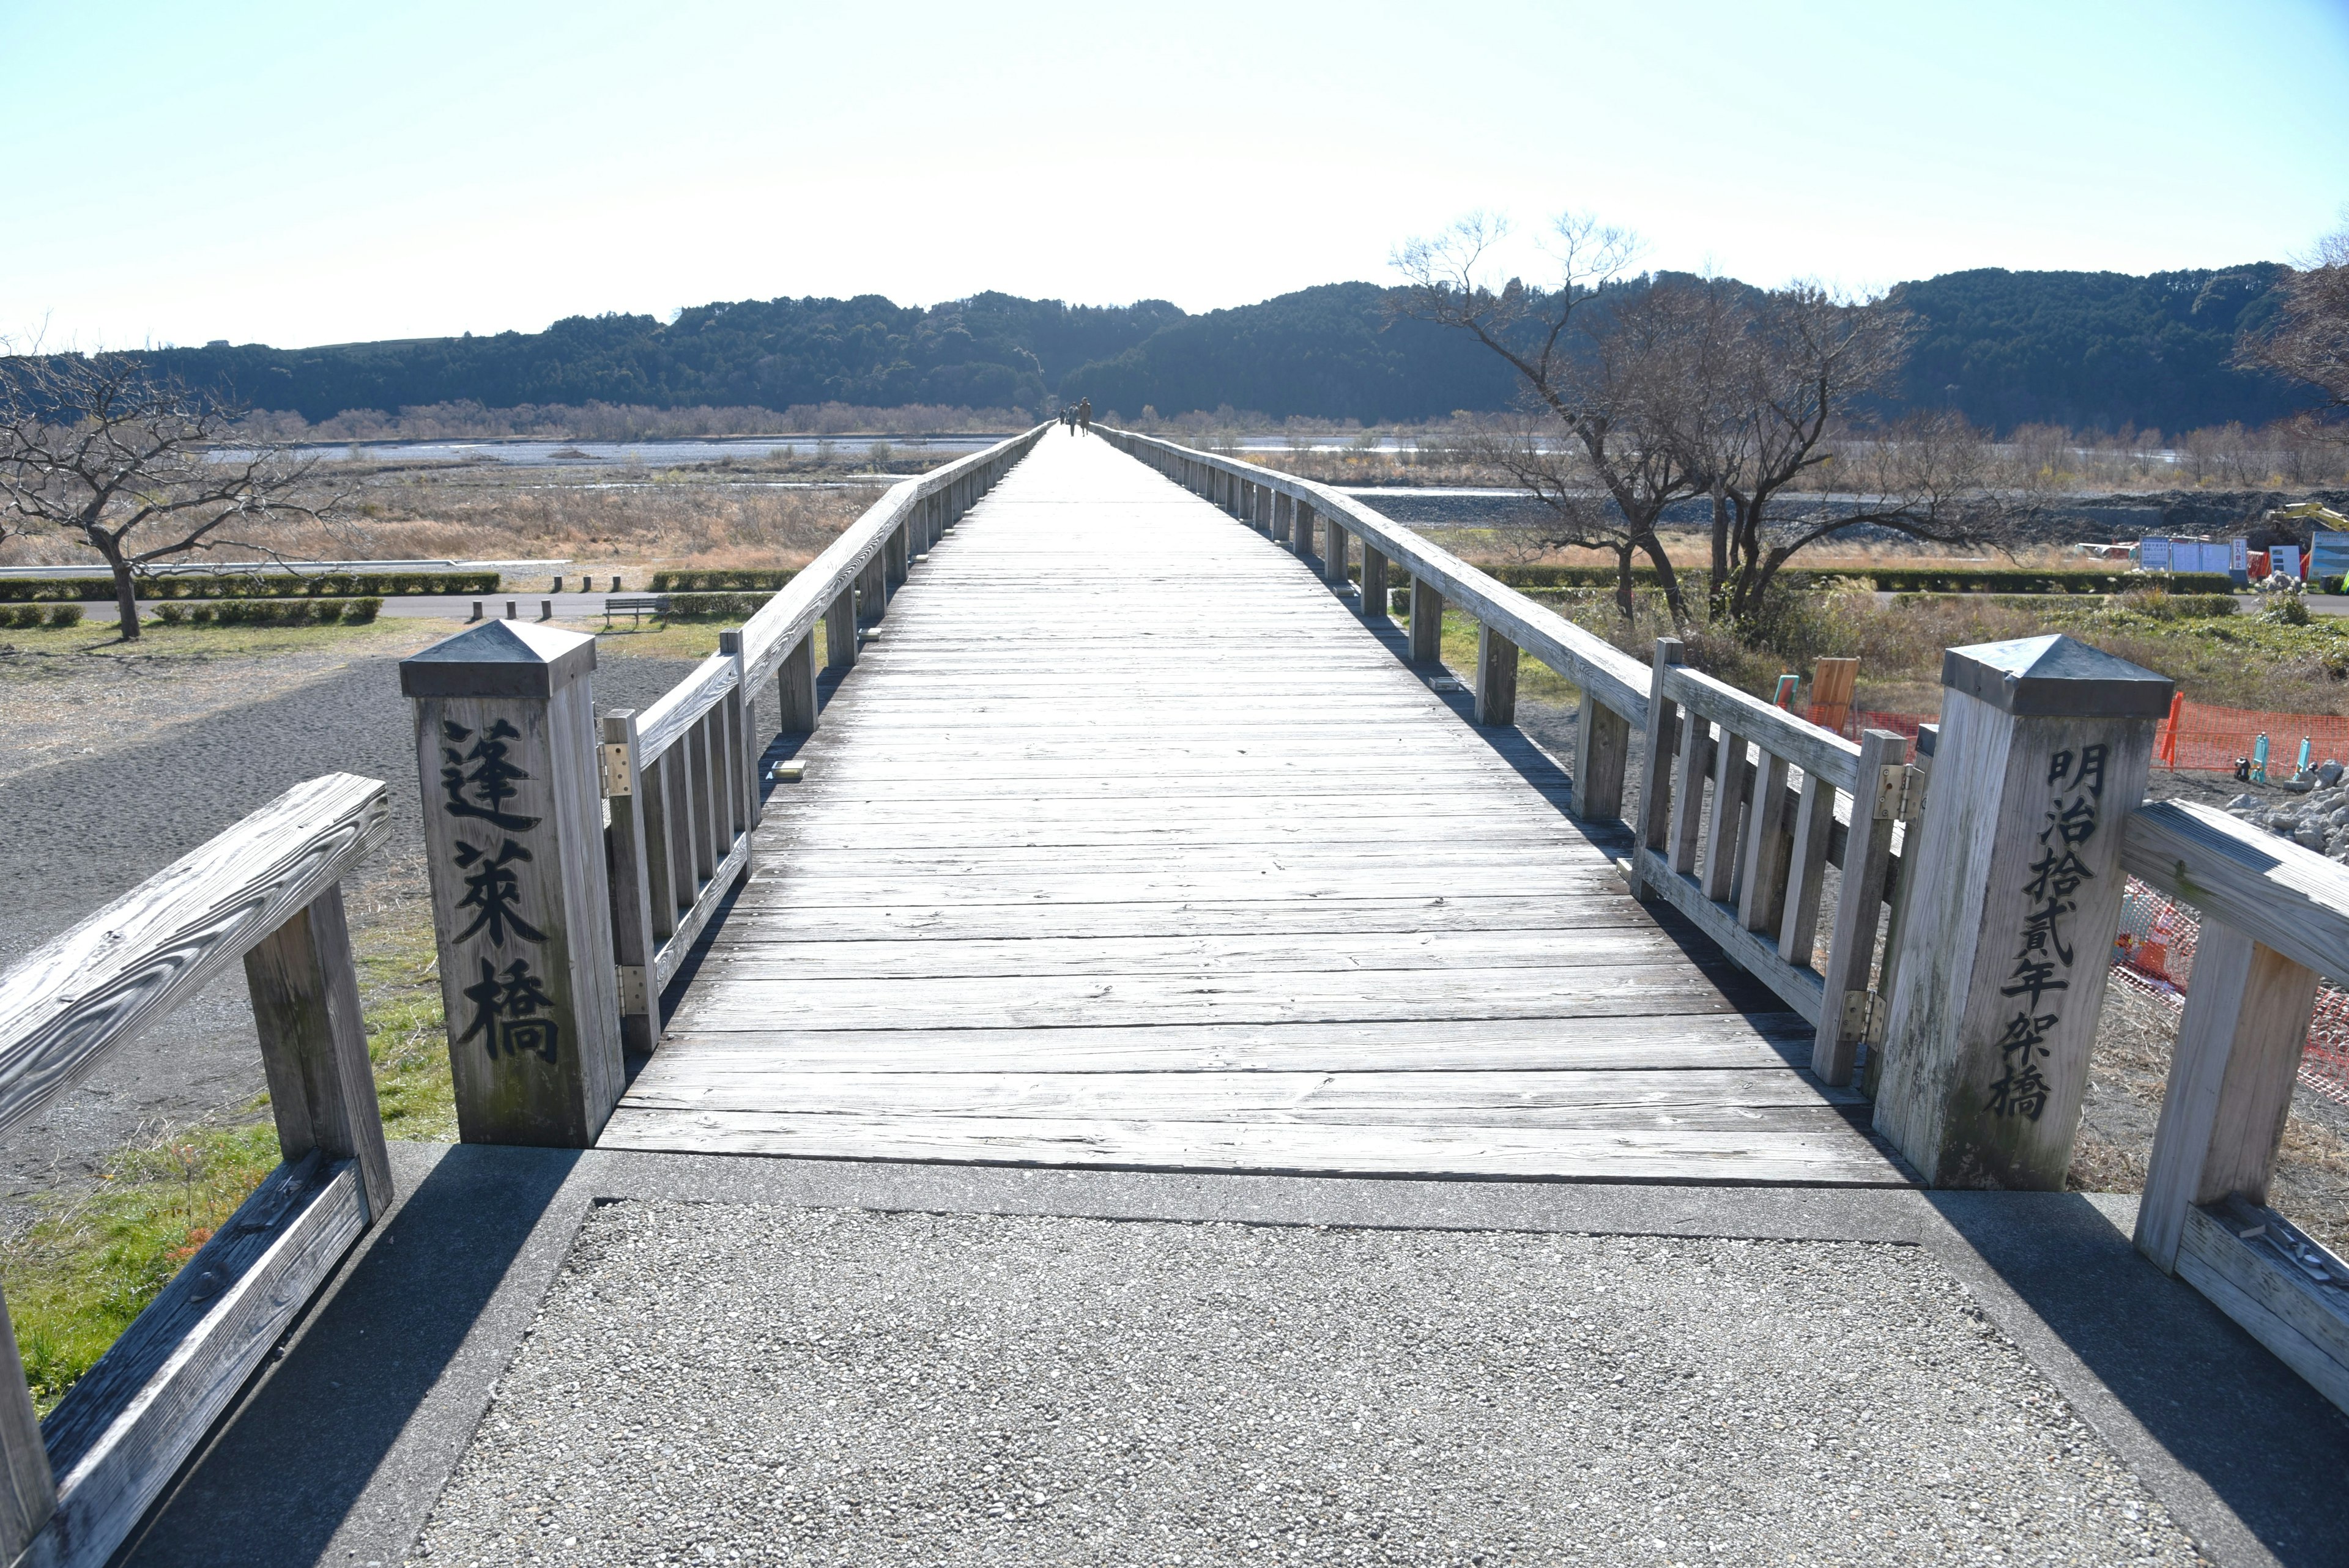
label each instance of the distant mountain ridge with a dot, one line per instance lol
(2089, 350)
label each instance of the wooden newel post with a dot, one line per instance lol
(2007, 932)
(513, 831)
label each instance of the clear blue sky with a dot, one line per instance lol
(322, 172)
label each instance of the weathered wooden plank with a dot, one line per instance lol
(120, 1433)
(1044, 1002)
(678, 709)
(1834, 1155)
(2230, 1083)
(2286, 1291)
(305, 1009)
(1614, 935)
(1664, 1043)
(113, 975)
(1806, 746)
(1422, 1101)
(2277, 893)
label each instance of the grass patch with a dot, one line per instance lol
(97, 639)
(1536, 682)
(81, 1272)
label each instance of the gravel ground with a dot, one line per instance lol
(85, 829)
(751, 1384)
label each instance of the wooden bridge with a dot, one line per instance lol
(1128, 843)
(1104, 819)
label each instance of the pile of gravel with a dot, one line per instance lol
(751, 1384)
(2317, 821)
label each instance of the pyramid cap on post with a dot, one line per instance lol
(2056, 677)
(499, 658)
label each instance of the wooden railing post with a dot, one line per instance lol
(1497, 678)
(1427, 622)
(506, 747)
(305, 1008)
(1300, 529)
(2044, 747)
(1662, 739)
(1374, 584)
(896, 555)
(742, 735)
(28, 1488)
(2231, 1081)
(840, 630)
(795, 687)
(1334, 552)
(1284, 513)
(627, 873)
(873, 589)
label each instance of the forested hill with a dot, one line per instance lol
(2082, 349)
(2093, 350)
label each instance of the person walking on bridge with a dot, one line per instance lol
(1085, 415)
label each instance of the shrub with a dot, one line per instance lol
(63, 615)
(270, 613)
(718, 581)
(252, 585)
(714, 606)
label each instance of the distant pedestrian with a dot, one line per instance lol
(1085, 414)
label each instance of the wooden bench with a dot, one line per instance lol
(635, 606)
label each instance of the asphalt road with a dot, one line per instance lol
(769, 1384)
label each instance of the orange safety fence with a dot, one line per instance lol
(1848, 722)
(2154, 953)
(2197, 736)
(2201, 738)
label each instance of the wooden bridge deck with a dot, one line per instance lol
(1126, 843)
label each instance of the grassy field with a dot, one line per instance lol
(77, 1276)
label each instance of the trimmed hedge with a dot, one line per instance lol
(252, 585)
(2164, 606)
(31, 616)
(270, 613)
(718, 581)
(714, 606)
(1896, 579)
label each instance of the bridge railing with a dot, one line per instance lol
(683, 774)
(1744, 807)
(268, 892)
(575, 860)
(1752, 875)
(1968, 940)
(2275, 920)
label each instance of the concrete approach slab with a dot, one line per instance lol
(2038, 1333)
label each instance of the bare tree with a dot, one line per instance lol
(2310, 341)
(1931, 477)
(128, 463)
(1781, 373)
(1601, 430)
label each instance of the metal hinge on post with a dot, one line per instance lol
(634, 1002)
(615, 758)
(1863, 1016)
(1899, 793)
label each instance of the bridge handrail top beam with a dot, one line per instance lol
(2280, 895)
(1612, 677)
(793, 613)
(78, 996)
